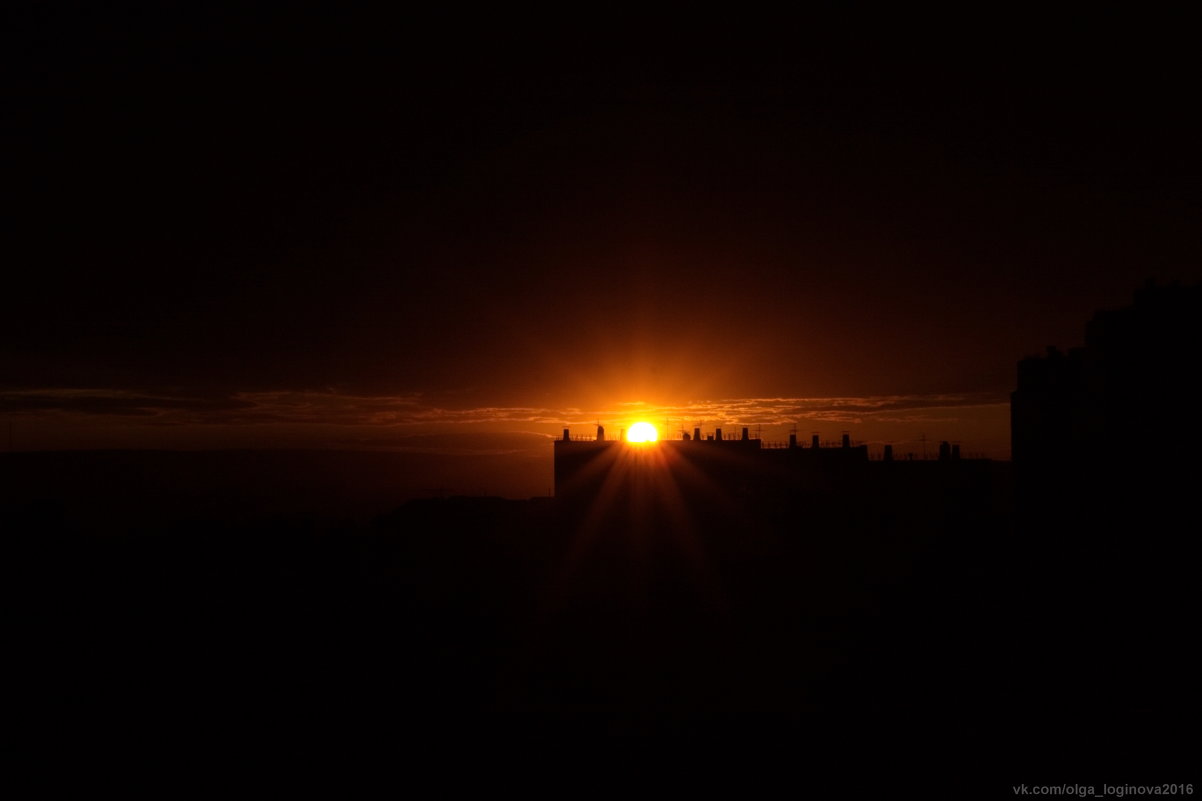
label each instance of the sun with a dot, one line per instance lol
(642, 432)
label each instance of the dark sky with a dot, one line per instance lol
(564, 212)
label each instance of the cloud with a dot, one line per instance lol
(113, 402)
(392, 411)
(789, 411)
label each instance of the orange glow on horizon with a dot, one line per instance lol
(642, 432)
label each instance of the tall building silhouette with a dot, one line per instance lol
(1107, 434)
(1106, 444)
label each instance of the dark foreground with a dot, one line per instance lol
(867, 637)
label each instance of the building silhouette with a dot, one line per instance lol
(720, 482)
(1106, 435)
(1104, 553)
(742, 465)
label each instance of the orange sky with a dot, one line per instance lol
(266, 237)
(118, 419)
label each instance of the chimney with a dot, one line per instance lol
(846, 440)
(945, 451)
(697, 434)
(600, 433)
(566, 435)
(888, 453)
(745, 435)
(814, 441)
(718, 434)
(792, 440)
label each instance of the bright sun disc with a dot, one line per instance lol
(642, 432)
